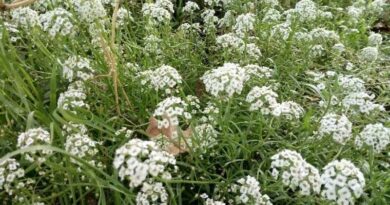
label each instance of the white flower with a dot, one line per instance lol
(244, 24)
(225, 81)
(213, 202)
(247, 191)
(90, 10)
(138, 160)
(203, 139)
(79, 144)
(322, 35)
(73, 98)
(342, 182)
(339, 127)
(350, 84)
(270, 3)
(374, 135)
(252, 50)
(77, 68)
(190, 7)
(209, 19)
(369, 54)
(170, 111)
(25, 18)
(288, 109)
(361, 102)
(306, 10)
(152, 193)
(263, 99)
(231, 41)
(375, 39)
(123, 16)
(281, 31)
(35, 136)
(165, 78)
(295, 172)
(303, 37)
(338, 48)
(272, 15)
(376, 7)
(159, 12)
(57, 22)
(152, 45)
(10, 172)
(259, 72)
(354, 12)
(317, 51)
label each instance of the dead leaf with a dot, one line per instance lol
(175, 147)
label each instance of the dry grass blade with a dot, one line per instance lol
(15, 4)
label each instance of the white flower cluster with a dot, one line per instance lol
(281, 31)
(307, 10)
(25, 17)
(152, 45)
(79, 144)
(244, 24)
(369, 54)
(258, 71)
(12, 31)
(160, 11)
(357, 98)
(289, 110)
(361, 7)
(190, 7)
(138, 160)
(152, 193)
(263, 99)
(57, 21)
(317, 51)
(350, 84)
(10, 171)
(234, 43)
(272, 15)
(123, 16)
(170, 111)
(215, 3)
(77, 68)
(375, 136)
(44, 5)
(213, 202)
(342, 182)
(164, 78)
(323, 35)
(270, 3)
(231, 41)
(209, 19)
(203, 139)
(90, 11)
(362, 102)
(375, 39)
(35, 136)
(339, 127)
(210, 113)
(248, 189)
(210, 201)
(228, 20)
(74, 98)
(127, 132)
(225, 81)
(296, 172)
(188, 28)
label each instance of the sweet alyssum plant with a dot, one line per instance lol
(194, 102)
